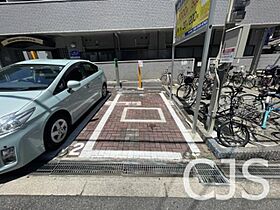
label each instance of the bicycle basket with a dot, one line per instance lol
(188, 79)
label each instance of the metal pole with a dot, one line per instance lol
(173, 54)
(117, 73)
(258, 53)
(218, 83)
(204, 62)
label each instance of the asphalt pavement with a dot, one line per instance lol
(130, 203)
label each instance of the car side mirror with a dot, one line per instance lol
(72, 84)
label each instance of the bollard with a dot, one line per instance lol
(140, 84)
(33, 54)
(117, 73)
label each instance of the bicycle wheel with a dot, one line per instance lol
(233, 134)
(207, 89)
(180, 78)
(164, 79)
(184, 91)
(192, 98)
(251, 108)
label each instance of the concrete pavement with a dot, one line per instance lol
(135, 203)
(161, 187)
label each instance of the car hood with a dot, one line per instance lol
(14, 101)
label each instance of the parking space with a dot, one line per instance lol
(134, 125)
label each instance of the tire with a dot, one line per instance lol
(192, 98)
(53, 136)
(233, 134)
(104, 90)
(184, 91)
(187, 94)
(180, 78)
(207, 89)
(251, 108)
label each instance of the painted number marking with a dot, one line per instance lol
(76, 149)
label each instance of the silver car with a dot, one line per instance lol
(39, 102)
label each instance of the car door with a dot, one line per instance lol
(75, 101)
(93, 77)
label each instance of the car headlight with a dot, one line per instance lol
(12, 122)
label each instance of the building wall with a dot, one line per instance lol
(265, 60)
(152, 69)
(106, 15)
(85, 16)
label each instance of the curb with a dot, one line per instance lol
(241, 153)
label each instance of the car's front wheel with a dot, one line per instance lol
(56, 131)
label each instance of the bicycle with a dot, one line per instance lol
(188, 90)
(184, 73)
(238, 77)
(270, 106)
(262, 117)
(166, 77)
(232, 132)
(269, 77)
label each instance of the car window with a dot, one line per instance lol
(75, 72)
(28, 76)
(89, 69)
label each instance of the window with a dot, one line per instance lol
(75, 72)
(89, 69)
(28, 76)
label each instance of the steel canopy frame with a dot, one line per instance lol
(208, 30)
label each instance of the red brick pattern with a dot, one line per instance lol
(142, 114)
(139, 136)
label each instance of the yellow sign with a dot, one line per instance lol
(191, 15)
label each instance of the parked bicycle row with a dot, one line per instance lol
(242, 117)
(237, 76)
(240, 114)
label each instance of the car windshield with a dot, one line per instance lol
(28, 76)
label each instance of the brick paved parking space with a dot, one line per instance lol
(133, 125)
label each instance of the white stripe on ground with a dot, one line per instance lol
(160, 113)
(86, 152)
(186, 133)
(129, 154)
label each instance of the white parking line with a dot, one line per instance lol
(127, 154)
(87, 151)
(160, 113)
(184, 131)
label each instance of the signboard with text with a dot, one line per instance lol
(228, 55)
(191, 18)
